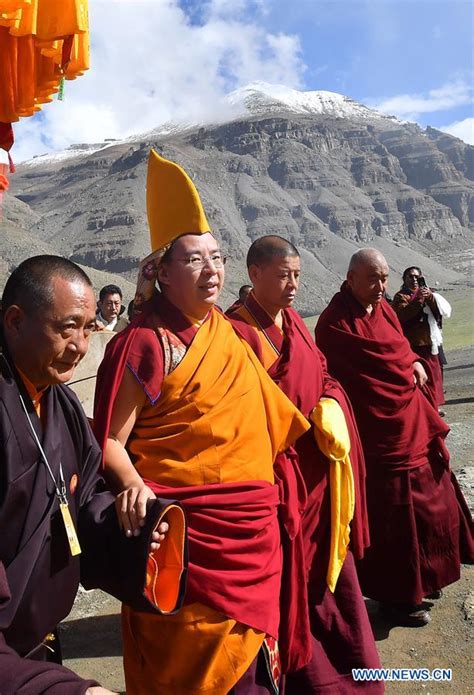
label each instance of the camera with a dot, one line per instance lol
(421, 281)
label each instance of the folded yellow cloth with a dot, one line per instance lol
(332, 437)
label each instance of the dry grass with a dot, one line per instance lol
(458, 331)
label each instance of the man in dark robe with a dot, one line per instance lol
(243, 294)
(411, 304)
(420, 527)
(52, 499)
(341, 634)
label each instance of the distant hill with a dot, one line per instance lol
(329, 174)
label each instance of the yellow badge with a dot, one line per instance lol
(70, 529)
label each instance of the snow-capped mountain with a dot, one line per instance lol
(261, 98)
(257, 99)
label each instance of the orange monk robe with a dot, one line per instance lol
(219, 419)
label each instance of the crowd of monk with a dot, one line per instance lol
(245, 485)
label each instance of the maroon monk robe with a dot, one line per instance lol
(434, 386)
(420, 526)
(341, 634)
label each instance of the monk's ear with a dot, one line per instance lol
(13, 319)
(163, 274)
(350, 278)
(254, 272)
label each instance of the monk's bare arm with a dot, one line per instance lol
(122, 476)
(119, 470)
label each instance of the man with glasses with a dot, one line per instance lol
(421, 312)
(185, 410)
(110, 310)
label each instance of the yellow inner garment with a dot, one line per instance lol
(220, 418)
(333, 439)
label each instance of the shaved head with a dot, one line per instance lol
(266, 249)
(274, 269)
(367, 277)
(366, 257)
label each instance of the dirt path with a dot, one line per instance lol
(91, 634)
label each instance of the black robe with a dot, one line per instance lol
(38, 576)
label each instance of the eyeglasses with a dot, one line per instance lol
(198, 262)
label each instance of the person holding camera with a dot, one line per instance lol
(421, 311)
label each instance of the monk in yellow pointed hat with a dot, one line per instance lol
(173, 204)
(184, 410)
(174, 209)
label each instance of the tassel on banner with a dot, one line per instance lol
(61, 89)
(6, 141)
(4, 183)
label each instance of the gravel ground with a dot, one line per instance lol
(91, 634)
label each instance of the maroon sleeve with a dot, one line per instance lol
(20, 676)
(329, 383)
(146, 361)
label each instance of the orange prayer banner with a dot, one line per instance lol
(41, 42)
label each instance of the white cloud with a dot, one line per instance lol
(461, 129)
(411, 106)
(151, 64)
(234, 8)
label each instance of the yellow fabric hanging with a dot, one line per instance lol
(332, 438)
(41, 41)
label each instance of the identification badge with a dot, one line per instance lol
(70, 529)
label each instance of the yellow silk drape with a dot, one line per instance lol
(41, 41)
(333, 440)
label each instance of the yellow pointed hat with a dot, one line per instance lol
(173, 204)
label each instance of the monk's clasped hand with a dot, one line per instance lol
(131, 508)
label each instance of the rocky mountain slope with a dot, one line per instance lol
(327, 173)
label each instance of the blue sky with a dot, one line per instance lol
(158, 60)
(375, 50)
